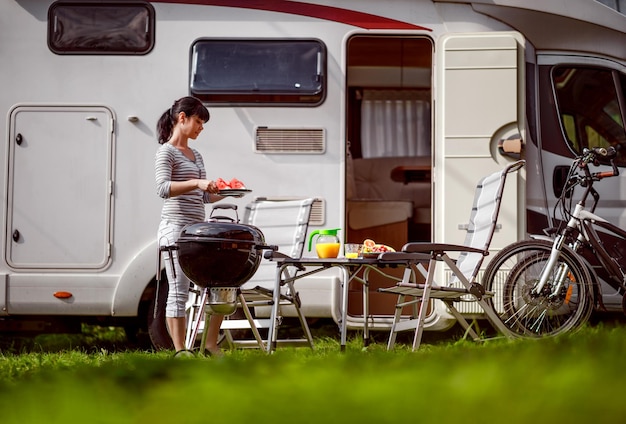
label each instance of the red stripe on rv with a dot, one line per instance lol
(329, 13)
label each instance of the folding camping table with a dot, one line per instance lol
(350, 269)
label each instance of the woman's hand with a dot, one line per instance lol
(208, 186)
(181, 187)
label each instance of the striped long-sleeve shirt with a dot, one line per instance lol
(172, 165)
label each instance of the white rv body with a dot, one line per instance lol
(80, 209)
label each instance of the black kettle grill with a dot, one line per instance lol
(221, 254)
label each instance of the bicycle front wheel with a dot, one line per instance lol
(564, 304)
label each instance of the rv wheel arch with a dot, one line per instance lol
(155, 315)
(146, 301)
(148, 329)
(134, 281)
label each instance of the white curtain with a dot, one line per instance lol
(395, 123)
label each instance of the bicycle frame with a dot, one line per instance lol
(612, 269)
(582, 222)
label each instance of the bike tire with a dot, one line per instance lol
(514, 272)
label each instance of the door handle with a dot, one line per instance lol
(559, 178)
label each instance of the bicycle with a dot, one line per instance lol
(549, 286)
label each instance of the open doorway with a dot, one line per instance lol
(388, 147)
(388, 195)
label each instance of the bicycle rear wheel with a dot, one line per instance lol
(513, 274)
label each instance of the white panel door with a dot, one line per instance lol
(480, 100)
(59, 194)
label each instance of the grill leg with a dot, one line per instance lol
(207, 319)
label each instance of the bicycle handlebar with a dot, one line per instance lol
(606, 174)
(584, 177)
(591, 155)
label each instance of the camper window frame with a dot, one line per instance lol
(97, 45)
(260, 95)
(580, 129)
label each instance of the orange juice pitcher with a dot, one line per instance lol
(327, 243)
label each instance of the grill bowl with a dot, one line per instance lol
(220, 254)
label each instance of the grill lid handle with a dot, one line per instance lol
(229, 206)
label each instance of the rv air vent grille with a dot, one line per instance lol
(294, 140)
(317, 212)
(468, 306)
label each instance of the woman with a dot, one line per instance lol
(181, 181)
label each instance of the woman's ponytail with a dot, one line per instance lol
(190, 106)
(165, 126)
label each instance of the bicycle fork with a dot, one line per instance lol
(562, 273)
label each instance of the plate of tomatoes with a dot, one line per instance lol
(232, 188)
(234, 192)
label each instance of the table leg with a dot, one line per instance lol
(344, 306)
(366, 307)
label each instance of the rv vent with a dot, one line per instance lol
(317, 212)
(472, 308)
(295, 140)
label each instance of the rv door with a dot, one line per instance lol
(59, 187)
(480, 102)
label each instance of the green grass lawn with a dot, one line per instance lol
(576, 378)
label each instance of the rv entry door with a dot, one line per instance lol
(59, 187)
(479, 92)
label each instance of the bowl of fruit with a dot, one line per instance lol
(371, 249)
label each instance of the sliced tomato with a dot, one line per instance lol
(221, 184)
(381, 248)
(235, 183)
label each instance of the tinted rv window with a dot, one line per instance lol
(101, 28)
(258, 71)
(589, 107)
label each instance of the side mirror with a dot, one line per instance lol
(511, 147)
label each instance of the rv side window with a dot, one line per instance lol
(254, 72)
(101, 28)
(589, 107)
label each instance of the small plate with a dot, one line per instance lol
(234, 192)
(383, 249)
(386, 248)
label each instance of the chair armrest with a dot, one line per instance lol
(403, 256)
(440, 248)
(275, 255)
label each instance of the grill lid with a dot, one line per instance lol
(224, 231)
(220, 254)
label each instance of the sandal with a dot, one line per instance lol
(184, 353)
(217, 353)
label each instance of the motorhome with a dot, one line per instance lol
(386, 112)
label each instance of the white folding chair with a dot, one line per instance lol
(464, 270)
(284, 224)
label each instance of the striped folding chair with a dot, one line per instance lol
(464, 269)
